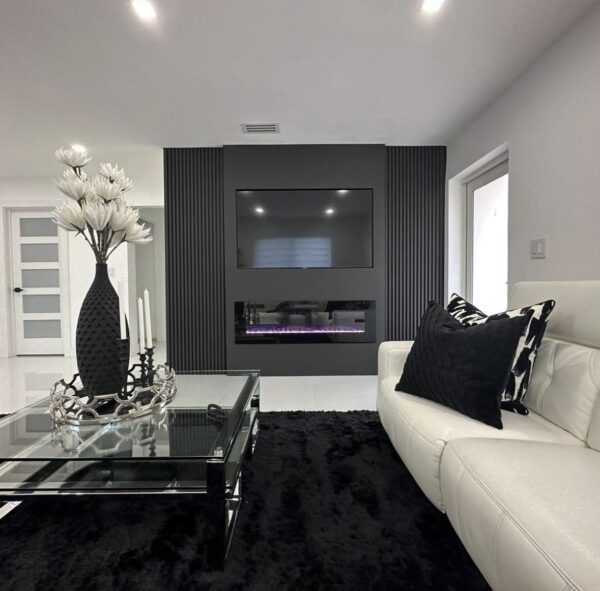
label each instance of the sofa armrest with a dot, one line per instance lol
(391, 358)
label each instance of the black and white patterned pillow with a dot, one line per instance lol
(468, 314)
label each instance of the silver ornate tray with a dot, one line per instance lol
(71, 404)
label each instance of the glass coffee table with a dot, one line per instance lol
(193, 446)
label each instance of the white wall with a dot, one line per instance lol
(550, 121)
(144, 167)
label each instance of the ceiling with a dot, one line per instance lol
(328, 71)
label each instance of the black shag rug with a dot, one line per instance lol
(328, 505)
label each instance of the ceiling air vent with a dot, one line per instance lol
(260, 127)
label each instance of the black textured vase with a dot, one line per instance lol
(98, 343)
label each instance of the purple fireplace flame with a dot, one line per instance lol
(258, 329)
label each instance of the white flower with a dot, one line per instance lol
(122, 216)
(69, 215)
(72, 185)
(126, 184)
(97, 214)
(116, 175)
(137, 234)
(111, 171)
(116, 239)
(72, 158)
(103, 188)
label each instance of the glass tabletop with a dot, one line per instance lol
(201, 423)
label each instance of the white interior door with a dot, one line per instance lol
(39, 286)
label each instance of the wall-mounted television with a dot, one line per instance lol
(304, 228)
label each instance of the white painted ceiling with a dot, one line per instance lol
(373, 71)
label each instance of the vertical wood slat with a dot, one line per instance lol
(195, 261)
(415, 210)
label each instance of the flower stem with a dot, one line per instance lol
(115, 247)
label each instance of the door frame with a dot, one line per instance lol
(475, 183)
(11, 349)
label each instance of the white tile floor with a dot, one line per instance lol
(24, 380)
(341, 393)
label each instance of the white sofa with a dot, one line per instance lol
(524, 500)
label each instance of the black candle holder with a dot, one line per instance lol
(150, 369)
(143, 369)
(147, 368)
(124, 360)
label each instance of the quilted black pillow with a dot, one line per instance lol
(526, 352)
(463, 367)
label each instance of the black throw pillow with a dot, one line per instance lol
(463, 367)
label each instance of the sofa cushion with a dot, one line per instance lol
(463, 367)
(527, 512)
(575, 318)
(419, 430)
(593, 438)
(526, 351)
(565, 385)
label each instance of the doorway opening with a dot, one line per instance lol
(487, 239)
(147, 271)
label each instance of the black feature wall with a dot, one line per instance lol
(195, 258)
(415, 199)
(203, 280)
(305, 167)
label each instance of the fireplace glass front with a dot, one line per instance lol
(305, 321)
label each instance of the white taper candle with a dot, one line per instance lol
(148, 323)
(140, 307)
(122, 324)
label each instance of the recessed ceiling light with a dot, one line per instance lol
(431, 5)
(144, 9)
(78, 148)
(259, 210)
(330, 211)
(343, 191)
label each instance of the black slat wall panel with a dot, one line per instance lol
(416, 178)
(195, 263)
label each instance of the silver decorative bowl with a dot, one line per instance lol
(71, 404)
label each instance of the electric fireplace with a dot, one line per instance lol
(305, 321)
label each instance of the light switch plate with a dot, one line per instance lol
(537, 249)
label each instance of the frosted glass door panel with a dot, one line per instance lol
(41, 329)
(39, 294)
(40, 278)
(41, 304)
(39, 253)
(38, 227)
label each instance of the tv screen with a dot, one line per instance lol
(303, 229)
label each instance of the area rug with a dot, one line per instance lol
(328, 505)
